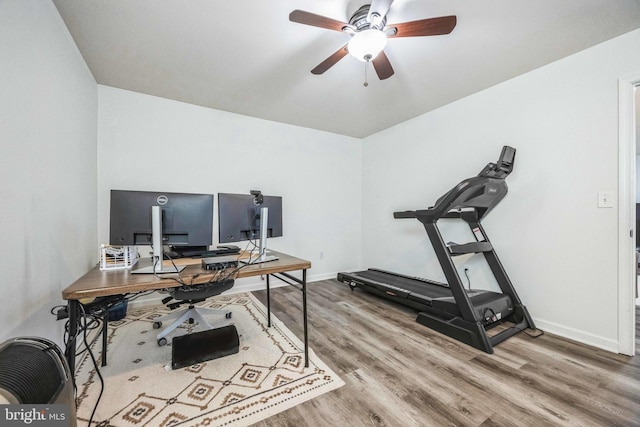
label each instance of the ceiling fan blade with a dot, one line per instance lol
(381, 7)
(330, 61)
(383, 67)
(308, 18)
(425, 27)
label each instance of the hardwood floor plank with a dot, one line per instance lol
(400, 373)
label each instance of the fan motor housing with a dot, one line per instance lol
(359, 19)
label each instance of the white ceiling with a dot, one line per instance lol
(246, 57)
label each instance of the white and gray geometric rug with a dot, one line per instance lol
(265, 377)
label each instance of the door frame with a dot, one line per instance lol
(627, 274)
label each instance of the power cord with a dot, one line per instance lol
(86, 322)
(537, 333)
(466, 273)
(218, 277)
(94, 323)
(93, 359)
(256, 247)
(491, 317)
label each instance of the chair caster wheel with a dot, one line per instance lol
(162, 342)
(228, 315)
(156, 325)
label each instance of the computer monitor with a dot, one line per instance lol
(240, 218)
(181, 219)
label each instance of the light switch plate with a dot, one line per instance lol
(605, 199)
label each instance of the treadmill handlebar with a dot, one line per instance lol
(405, 214)
(482, 192)
(458, 197)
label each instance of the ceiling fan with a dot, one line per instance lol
(369, 32)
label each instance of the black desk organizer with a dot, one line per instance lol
(187, 350)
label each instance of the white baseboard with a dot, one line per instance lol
(326, 276)
(578, 335)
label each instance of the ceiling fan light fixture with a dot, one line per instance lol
(366, 45)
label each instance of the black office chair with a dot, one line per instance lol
(191, 295)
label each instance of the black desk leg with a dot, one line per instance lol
(268, 302)
(73, 306)
(301, 285)
(105, 325)
(304, 315)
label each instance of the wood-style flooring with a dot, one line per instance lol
(400, 373)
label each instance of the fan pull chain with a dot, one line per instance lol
(366, 66)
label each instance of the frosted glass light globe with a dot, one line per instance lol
(367, 44)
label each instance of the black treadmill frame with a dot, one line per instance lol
(469, 201)
(469, 327)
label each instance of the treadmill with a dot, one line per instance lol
(449, 308)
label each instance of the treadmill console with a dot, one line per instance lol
(503, 167)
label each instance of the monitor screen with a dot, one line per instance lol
(239, 217)
(187, 219)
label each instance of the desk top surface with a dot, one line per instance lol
(97, 283)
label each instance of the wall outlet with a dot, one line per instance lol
(321, 254)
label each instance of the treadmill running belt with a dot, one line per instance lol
(410, 285)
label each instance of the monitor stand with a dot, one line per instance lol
(157, 266)
(262, 258)
(262, 249)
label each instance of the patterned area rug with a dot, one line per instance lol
(265, 377)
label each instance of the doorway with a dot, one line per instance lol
(627, 264)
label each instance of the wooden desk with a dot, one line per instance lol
(98, 283)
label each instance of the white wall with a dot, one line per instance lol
(558, 247)
(48, 117)
(154, 144)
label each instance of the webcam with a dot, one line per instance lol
(257, 197)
